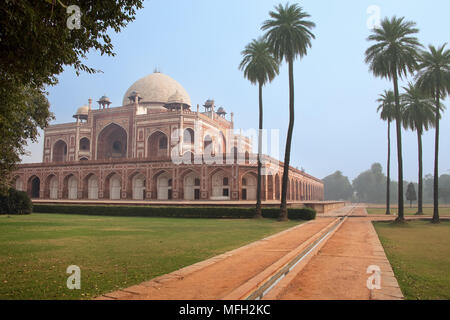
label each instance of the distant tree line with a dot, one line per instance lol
(370, 187)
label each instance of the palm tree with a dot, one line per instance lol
(289, 36)
(387, 113)
(393, 56)
(434, 79)
(418, 115)
(260, 67)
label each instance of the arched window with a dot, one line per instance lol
(157, 146)
(35, 187)
(85, 145)
(60, 151)
(234, 151)
(188, 136)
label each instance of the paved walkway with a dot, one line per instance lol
(338, 271)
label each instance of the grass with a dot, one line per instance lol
(443, 211)
(112, 252)
(419, 253)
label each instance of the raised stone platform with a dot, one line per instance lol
(320, 206)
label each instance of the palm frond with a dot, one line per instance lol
(418, 111)
(395, 51)
(288, 32)
(434, 71)
(258, 63)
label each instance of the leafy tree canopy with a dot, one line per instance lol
(36, 44)
(337, 187)
(444, 188)
(370, 185)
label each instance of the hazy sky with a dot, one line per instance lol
(199, 44)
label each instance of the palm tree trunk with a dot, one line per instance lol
(258, 188)
(401, 216)
(287, 155)
(420, 192)
(388, 183)
(436, 162)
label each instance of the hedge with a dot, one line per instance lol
(15, 202)
(174, 212)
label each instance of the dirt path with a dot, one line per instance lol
(216, 277)
(339, 270)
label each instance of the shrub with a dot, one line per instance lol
(293, 213)
(173, 212)
(15, 202)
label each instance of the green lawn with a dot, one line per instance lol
(419, 253)
(443, 211)
(112, 252)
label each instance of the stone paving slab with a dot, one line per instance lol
(339, 270)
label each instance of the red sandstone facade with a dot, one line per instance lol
(155, 148)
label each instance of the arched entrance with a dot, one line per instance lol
(138, 185)
(34, 187)
(112, 143)
(164, 186)
(220, 186)
(277, 187)
(191, 187)
(53, 187)
(115, 187)
(288, 190)
(92, 185)
(70, 190)
(270, 187)
(249, 186)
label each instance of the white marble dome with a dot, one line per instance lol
(157, 88)
(83, 110)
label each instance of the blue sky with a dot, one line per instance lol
(199, 43)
